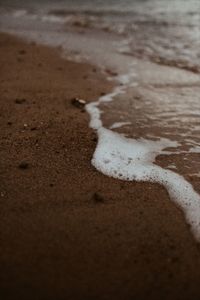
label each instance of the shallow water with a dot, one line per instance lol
(151, 50)
(166, 32)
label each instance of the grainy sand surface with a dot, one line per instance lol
(67, 231)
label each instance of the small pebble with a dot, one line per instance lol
(111, 72)
(23, 165)
(79, 103)
(20, 100)
(98, 198)
(22, 52)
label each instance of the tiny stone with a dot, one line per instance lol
(20, 100)
(23, 165)
(111, 72)
(79, 103)
(22, 52)
(98, 198)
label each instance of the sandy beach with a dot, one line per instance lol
(66, 230)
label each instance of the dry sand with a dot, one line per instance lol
(67, 231)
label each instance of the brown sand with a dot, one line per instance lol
(67, 231)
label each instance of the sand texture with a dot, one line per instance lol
(66, 230)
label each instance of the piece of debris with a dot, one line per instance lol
(20, 100)
(81, 23)
(23, 165)
(79, 103)
(98, 198)
(33, 128)
(111, 72)
(22, 52)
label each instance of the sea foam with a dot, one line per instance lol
(134, 159)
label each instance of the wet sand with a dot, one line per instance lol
(66, 230)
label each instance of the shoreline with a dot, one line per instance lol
(68, 231)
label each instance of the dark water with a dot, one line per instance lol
(147, 6)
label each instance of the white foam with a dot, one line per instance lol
(195, 149)
(119, 124)
(53, 18)
(19, 13)
(94, 111)
(131, 159)
(171, 166)
(196, 174)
